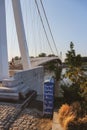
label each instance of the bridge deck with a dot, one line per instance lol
(39, 61)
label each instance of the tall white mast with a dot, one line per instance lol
(21, 34)
(4, 71)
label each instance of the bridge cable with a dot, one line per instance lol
(32, 33)
(43, 26)
(48, 25)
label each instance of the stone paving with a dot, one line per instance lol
(31, 120)
(13, 118)
(8, 113)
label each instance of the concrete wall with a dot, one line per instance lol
(33, 78)
(21, 83)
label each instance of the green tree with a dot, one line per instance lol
(78, 89)
(42, 55)
(72, 59)
(51, 55)
(16, 58)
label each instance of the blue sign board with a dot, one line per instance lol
(48, 103)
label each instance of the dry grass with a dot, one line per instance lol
(64, 112)
(68, 120)
(84, 119)
(45, 124)
(79, 124)
(70, 117)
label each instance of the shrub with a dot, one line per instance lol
(68, 123)
(70, 117)
(76, 109)
(80, 124)
(64, 112)
(77, 91)
(71, 93)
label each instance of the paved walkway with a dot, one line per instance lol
(27, 120)
(8, 113)
(12, 117)
(56, 125)
(30, 120)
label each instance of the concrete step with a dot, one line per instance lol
(11, 82)
(16, 89)
(9, 96)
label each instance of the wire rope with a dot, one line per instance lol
(48, 25)
(43, 26)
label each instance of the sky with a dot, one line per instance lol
(68, 21)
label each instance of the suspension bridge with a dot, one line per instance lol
(29, 77)
(34, 62)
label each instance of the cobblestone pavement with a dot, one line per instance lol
(8, 112)
(12, 118)
(31, 120)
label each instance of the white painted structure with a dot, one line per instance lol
(21, 34)
(4, 71)
(28, 79)
(21, 83)
(3, 43)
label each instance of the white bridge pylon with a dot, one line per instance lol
(3, 43)
(4, 69)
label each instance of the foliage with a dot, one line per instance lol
(78, 88)
(31, 56)
(71, 58)
(16, 58)
(53, 67)
(71, 118)
(84, 59)
(63, 113)
(50, 66)
(71, 93)
(57, 72)
(42, 55)
(79, 85)
(77, 91)
(74, 116)
(51, 55)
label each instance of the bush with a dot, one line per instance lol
(70, 117)
(71, 93)
(80, 124)
(57, 72)
(63, 113)
(77, 91)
